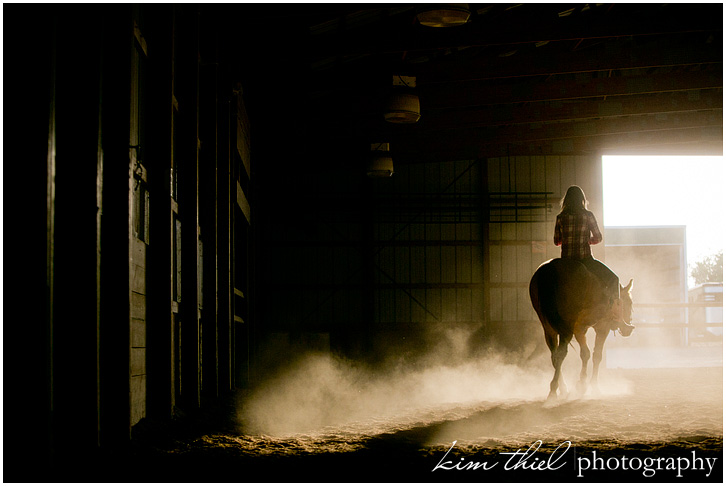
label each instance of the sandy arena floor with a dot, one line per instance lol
(322, 423)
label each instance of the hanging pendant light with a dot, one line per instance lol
(380, 163)
(443, 15)
(403, 104)
(403, 108)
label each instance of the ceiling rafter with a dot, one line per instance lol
(666, 53)
(520, 28)
(693, 140)
(539, 113)
(568, 90)
(433, 100)
(573, 82)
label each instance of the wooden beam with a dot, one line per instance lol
(517, 28)
(541, 112)
(467, 145)
(479, 94)
(669, 103)
(693, 141)
(493, 97)
(570, 130)
(243, 203)
(551, 61)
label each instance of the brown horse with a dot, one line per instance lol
(569, 299)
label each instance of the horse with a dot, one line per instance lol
(569, 299)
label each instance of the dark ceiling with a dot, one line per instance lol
(517, 79)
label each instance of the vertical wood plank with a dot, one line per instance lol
(495, 263)
(553, 177)
(494, 175)
(448, 305)
(538, 174)
(464, 264)
(524, 262)
(496, 305)
(509, 304)
(509, 263)
(434, 304)
(448, 264)
(525, 312)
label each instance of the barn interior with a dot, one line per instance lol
(214, 193)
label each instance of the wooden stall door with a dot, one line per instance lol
(139, 239)
(243, 325)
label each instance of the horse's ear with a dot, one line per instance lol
(629, 287)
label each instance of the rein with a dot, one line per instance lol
(617, 314)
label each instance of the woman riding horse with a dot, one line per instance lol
(575, 292)
(575, 230)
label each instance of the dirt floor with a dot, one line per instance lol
(662, 425)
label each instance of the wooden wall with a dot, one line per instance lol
(133, 134)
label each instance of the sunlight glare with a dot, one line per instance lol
(665, 191)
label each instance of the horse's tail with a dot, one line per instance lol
(542, 292)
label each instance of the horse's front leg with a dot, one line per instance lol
(585, 358)
(600, 337)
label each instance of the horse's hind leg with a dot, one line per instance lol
(585, 358)
(551, 339)
(600, 337)
(558, 357)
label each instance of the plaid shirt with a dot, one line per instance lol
(576, 232)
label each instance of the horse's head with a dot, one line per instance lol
(626, 299)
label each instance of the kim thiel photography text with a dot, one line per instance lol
(587, 464)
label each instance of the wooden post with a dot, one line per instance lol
(224, 228)
(208, 202)
(485, 215)
(160, 390)
(115, 228)
(186, 80)
(76, 316)
(29, 170)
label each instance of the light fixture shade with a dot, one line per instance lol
(380, 163)
(444, 15)
(403, 108)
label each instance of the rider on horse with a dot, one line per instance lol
(575, 230)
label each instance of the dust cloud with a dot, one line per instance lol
(319, 390)
(501, 392)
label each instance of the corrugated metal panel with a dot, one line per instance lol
(424, 243)
(410, 252)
